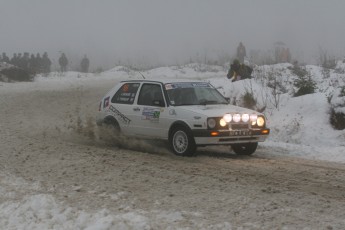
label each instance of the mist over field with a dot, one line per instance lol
(153, 33)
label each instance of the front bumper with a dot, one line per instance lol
(209, 137)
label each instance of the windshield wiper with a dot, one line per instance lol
(206, 102)
(184, 104)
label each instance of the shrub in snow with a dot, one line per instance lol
(304, 83)
(340, 67)
(337, 101)
(298, 70)
(248, 100)
(275, 84)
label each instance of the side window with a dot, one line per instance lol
(151, 94)
(126, 94)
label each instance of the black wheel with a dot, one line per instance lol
(245, 148)
(113, 125)
(109, 130)
(182, 142)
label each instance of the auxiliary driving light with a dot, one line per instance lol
(253, 117)
(236, 117)
(245, 117)
(227, 117)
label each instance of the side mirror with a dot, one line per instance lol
(228, 99)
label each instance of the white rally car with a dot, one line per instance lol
(186, 113)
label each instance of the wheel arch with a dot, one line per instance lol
(178, 124)
(111, 120)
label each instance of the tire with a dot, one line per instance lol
(245, 148)
(182, 142)
(112, 127)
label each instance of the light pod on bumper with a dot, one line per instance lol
(245, 117)
(236, 117)
(227, 117)
(253, 118)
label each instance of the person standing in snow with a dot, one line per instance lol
(32, 64)
(85, 62)
(63, 62)
(241, 52)
(25, 61)
(5, 58)
(46, 63)
(39, 65)
(14, 59)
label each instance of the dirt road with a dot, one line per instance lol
(48, 136)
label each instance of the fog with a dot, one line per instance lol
(164, 32)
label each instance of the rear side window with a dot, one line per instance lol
(126, 94)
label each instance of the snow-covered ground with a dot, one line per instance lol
(299, 125)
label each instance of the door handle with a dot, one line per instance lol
(136, 109)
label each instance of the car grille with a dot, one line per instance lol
(239, 126)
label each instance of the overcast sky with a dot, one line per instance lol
(169, 31)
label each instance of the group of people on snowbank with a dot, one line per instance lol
(238, 70)
(30, 63)
(36, 64)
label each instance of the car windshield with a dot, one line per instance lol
(193, 93)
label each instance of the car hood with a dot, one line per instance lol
(215, 110)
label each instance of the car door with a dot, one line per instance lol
(151, 115)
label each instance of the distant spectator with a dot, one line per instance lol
(5, 58)
(277, 53)
(241, 52)
(63, 62)
(288, 55)
(33, 64)
(282, 55)
(39, 65)
(24, 61)
(46, 63)
(19, 59)
(85, 62)
(14, 60)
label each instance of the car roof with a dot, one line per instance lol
(163, 80)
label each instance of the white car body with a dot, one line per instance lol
(125, 104)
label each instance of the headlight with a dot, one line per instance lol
(260, 121)
(211, 123)
(253, 117)
(222, 122)
(236, 117)
(245, 117)
(227, 117)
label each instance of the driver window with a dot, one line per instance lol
(151, 94)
